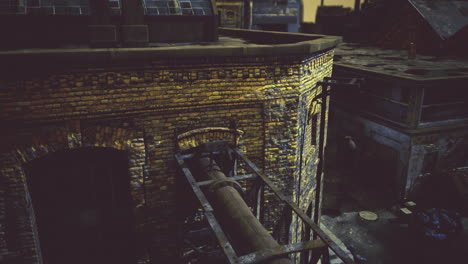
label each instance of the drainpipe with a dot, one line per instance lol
(134, 31)
(102, 34)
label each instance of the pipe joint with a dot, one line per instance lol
(226, 182)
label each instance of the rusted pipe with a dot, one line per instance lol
(237, 220)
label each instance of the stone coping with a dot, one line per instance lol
(232, 43)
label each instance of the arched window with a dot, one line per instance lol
(83, 207)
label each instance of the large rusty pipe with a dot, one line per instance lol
(237, 220)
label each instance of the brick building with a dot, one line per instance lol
(88, 136)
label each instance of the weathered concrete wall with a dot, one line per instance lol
(375, 142)
(419, 155)
(138, 109)
(435, 153)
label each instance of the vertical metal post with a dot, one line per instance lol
(325, 256)
(416, 94)
(321, 154)
(306, 255)
(259, 203)
(315, 256)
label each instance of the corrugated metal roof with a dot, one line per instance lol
(446, 17)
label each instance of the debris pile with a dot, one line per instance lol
(437, 224)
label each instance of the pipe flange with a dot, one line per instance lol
(216, 184)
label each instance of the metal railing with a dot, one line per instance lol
(318, 247)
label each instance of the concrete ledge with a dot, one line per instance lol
(254, 43)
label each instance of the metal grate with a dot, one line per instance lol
(52, 7)
(178, 7)
(81, 7)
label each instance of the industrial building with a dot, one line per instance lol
(196, 131)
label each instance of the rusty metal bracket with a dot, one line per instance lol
(236, 178)
(216, 184)
(335, 82)
(341, 82)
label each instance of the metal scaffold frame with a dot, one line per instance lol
(318, 247)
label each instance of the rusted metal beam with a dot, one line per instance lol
(236, 178)
(333, 246)
(221, 237)
(207, 210)
(325, 256)
(246, 232)
(269, 253)
(198, 192)
(259, 201)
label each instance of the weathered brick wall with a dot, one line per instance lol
(315, 69)
(140, 109)
(31, 143)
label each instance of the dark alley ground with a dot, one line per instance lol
(389, 239)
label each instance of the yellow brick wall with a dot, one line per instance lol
(264, 96)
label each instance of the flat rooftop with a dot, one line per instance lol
(396, 62)
(231, 43)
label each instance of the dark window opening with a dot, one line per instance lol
(429, 162)
(83, 207)
(444, 103)
(446, 94)
(314, 131)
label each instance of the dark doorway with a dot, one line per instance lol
(83, 207)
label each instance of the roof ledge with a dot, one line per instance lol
(255, 43)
